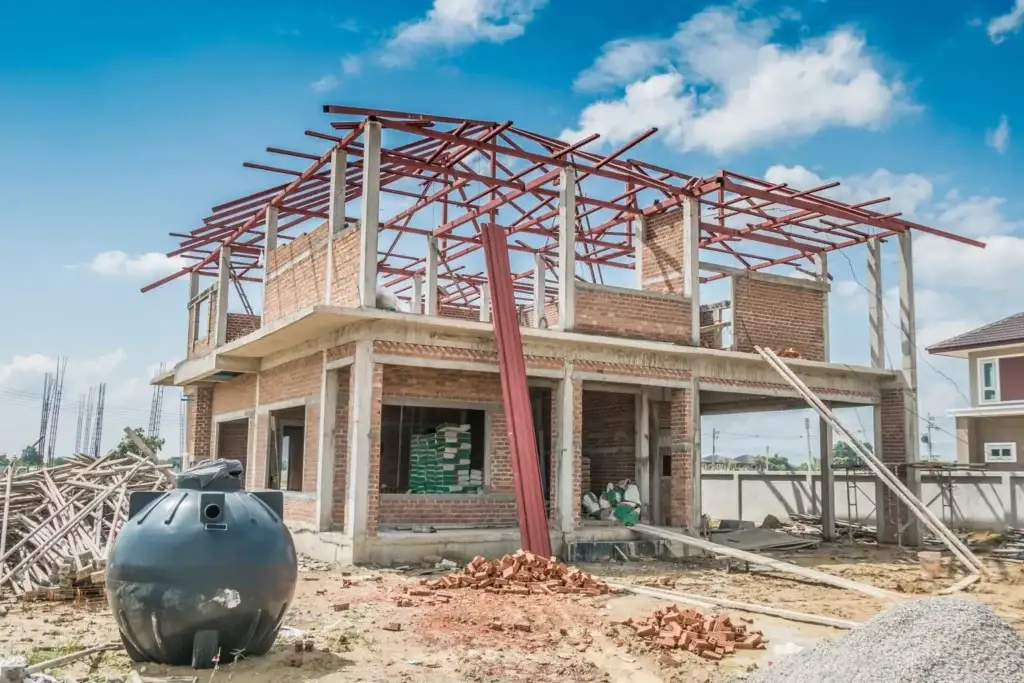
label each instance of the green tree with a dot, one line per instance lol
(128, 445)
(30, 456)
(843, 455)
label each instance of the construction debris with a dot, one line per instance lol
(934, 640)
(59, 522)
(620, 500)
(811, 525)
(788, 352)
(712, 637)
(521, 574)
(1012, 546)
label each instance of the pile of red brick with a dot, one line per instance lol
(711, 637)
(521, 574)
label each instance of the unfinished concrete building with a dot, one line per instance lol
(641, 293)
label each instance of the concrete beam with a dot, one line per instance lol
(325, 448)
(539, 282)
(691, 264)
(223, 289)
(876, 312)
(567, 249)
(416, 303)
(335, 214)
(431, 273)
(361, 420)
(370, 217)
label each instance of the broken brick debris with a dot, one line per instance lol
(711, 637)
(521, 574)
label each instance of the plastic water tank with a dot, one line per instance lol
(204, 572)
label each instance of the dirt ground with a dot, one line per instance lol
(571, 637)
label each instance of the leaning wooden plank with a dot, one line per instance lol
(67, 659)
(960, 585)
(7, 509)
(805, 572)
(921, 511)
(704, 601)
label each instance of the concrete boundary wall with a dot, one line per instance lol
(983, 500)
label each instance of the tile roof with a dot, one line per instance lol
(1006, 331)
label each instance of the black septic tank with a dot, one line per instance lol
(202, 573)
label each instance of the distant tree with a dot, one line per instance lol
(843, 455)
(30, 456)
(174, 462)
(128, 445)
(4, 462)
(774, 463)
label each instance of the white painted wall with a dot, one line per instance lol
(982, 500)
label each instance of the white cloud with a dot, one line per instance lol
(324, 84)
(119, 263)
(998, 138)
(351, 65)
(907, 192)
(1000, 27)
(453, 24)
(719, 84)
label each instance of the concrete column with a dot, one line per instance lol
(431, 283)
(336, 214)
(876, 320)
(657, 471)
(223, 289)
(570, 457)
(325, 448)
(485, 303)
(697, 503)
(567, 249)
(370, 217)
(821, 271)
(269, 244)
(828, 482)
(908, 342)
(691, 264)
(642, 414)
(416, 305)
(193, 313)
(639, 237)
(539, 282)
(359, 438)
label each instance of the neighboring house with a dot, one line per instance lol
(991, 430)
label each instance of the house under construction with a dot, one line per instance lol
(641, 293)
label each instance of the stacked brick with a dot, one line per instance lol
(711, 637)
(522, 574)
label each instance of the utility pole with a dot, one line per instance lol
(927, 438)
(714, 437)
(807, 431)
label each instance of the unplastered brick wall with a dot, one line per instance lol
(680, 501)
(609, 437)
(233, 441)
(468, 387)
(778, 314)
(199, 418)
(203, 310)
(662, 256)
(894, 454)
(298, 272)
(342, 420)
(241, 324)
(456, 311)
(299, 508)
(634, 314)
(234, 395)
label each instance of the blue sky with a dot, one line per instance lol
(121, 123)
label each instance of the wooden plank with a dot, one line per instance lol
(779, 565)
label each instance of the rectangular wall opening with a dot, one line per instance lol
(285, 449)
(433, 450)
(233, 440)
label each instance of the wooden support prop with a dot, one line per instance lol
(805, 572)
(920, 510)
(67, 659)
(960, 585)
(7, 510)
(707, 602)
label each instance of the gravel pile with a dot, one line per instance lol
(934, 640)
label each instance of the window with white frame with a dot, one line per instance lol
(988, 380)
(1001, 452)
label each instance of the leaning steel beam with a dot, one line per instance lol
(921, 511)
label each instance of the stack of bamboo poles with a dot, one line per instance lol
(58, 523)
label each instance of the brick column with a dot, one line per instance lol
(680, 504)
(199, 410)
(891, 431)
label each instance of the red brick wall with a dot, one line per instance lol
(294, 285)
(233, 441)
(241, 324)
(778, 315)
(633, 314)
(461, 312)
(310, 448)
(299, 508)
(373, 505)
(345, 286)
(609, 437)
(297, 379)
(663, 253)
(894, 454)
(258, 478)
(341, 447)
(199, 428)
(489, 510)
(680, 501)
(234, 395)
